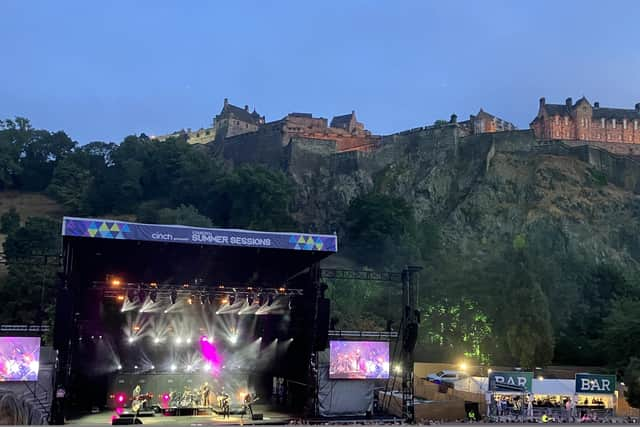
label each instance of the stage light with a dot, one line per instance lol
(119, 367)
(121, 397)
(174, 296)
(131, 339)
(541, 378)
(463, 366)
(156, 340)
(153, 367)
(100, 337)
(189, 340)
(173, 367)
(178, 340)
(166, 397)
(207, 367)
(489, 370)
(210, 340)
(189, 367)
(190, 299)
(233, 338)
(153, 295)
(34, 365)
(282, 290)
(135, 366)
(93, 337)
(120, 297)
(397, 369)
(115, 281)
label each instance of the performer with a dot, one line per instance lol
(136, 391)
(248, 403)
(224, 404)
(204, 393)
(136, 403)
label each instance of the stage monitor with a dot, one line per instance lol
(19, 358)
(358, 360)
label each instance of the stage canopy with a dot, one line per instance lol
(175, 253)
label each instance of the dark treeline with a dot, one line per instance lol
(142, 177)
(520, 304)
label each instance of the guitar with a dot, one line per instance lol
(251, 401)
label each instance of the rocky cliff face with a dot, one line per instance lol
(481, 191)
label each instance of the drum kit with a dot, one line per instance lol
(187, 399)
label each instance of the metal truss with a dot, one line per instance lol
(363, 334)
(34, 259)
(342, 274)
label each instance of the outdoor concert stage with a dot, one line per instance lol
(270, 417)
(173, 316)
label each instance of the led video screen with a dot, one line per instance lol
(358, 360)
(19, 358)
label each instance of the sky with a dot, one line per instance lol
(104, 70)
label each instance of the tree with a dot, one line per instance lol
(40, 155)
(252, 197)
(13, 137)
(620, 330)
(380, 228)
(9, 221)
(632, 380)
(184, 215)
(27, 291)
(70, 185)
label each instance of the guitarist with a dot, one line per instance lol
(136, 404)
(249, 400)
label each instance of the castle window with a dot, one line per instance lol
(584, 122)
(624, 123)
(602, 123)
(566, 120)
(613, 123)
(635, 124)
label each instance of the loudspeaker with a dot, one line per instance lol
(322, 331)
(125, 421)
(256, 417)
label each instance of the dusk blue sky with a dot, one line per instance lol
(103, 70)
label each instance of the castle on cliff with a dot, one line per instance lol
(234, 124)
(585, 122)
(610, 128)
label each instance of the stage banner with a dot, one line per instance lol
(595, 384)
(121, 230)
(511, 381)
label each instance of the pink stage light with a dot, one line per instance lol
(210, 355)
(121, 397)
(119, 410)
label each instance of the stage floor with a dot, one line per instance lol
(270, 416)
